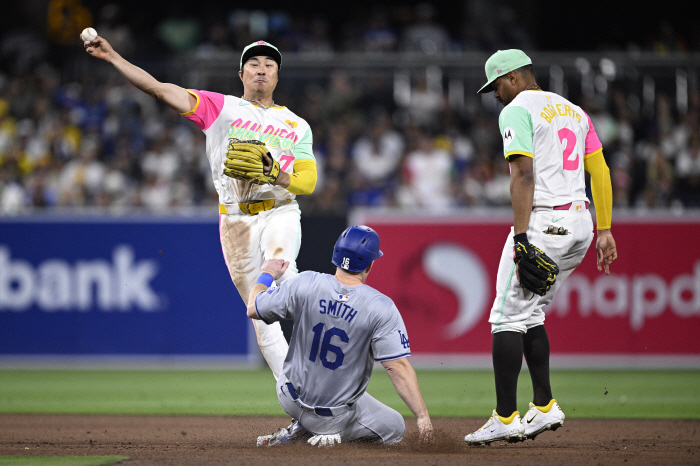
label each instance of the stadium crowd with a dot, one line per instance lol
(85, 142)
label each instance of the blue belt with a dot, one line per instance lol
(318, 410)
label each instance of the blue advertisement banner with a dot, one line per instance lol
(141, 286)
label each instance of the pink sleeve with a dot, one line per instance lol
(593, 143)
(207, 108)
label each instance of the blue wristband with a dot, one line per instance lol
(265, 279)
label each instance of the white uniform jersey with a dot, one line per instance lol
(287, 136)
(558, 135)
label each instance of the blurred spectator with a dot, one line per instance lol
(688, 172)
(13, 197)
(111, 25)
(425, 35)
(486, 184)
(242, 28)
(620, 176)
(161, 161)
(377, 155)
(659, 180)
(217, 41)
(332, 201)
(118, 189)
(379, 36)
(66, 19)
(429, 174)
(461, 147)
(81, 180)
(8, 127)
(42, 187)
(179, 31)
(497, 186)
(603, 122)
(472, 185)
(74, 138)
(317, 41)
(154, 193)
(424, 104)
(21, 51)
(339, 102)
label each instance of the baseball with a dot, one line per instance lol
(88, 34)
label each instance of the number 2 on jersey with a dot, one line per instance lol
(327, 347)
(565, 134)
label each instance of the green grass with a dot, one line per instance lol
(582, 394)
(60, 460)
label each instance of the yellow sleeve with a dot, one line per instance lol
(303, 180)
(196, 105)
(601, 187)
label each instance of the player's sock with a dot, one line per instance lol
(272, 345)
(536, 350)
(507, 352)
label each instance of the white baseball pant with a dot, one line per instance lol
(247, 241)
(516, 309)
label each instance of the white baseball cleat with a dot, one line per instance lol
(291, 434)
(498, 428)
(541, 418)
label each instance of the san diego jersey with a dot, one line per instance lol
(558, 135)
(286, 135)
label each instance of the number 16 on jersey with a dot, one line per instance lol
(327, 347)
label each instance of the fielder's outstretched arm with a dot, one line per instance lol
(405, 382)
(174, 96)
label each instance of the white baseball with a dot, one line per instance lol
(88, 34)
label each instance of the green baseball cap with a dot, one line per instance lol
(501, 63)
(261, 48)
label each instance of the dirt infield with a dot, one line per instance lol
(175, 441)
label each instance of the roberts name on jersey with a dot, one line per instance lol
(558, 136)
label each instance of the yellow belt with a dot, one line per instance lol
(251, 208)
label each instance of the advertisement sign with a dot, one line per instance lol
(117, 287)
(160, 287)
(441, 273)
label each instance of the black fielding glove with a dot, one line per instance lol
(537, 271)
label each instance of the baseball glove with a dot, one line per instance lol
(250, 161)
(536, 270)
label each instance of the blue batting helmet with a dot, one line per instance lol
(356, 248)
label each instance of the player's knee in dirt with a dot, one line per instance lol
(395, 427)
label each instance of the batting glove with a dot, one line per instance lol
(324, 440)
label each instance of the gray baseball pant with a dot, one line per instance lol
(367, 419)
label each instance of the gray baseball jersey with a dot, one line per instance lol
(339, 331)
